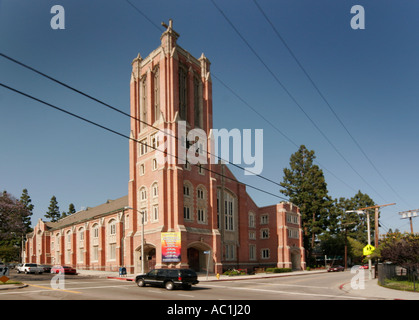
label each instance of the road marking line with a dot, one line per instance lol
(286, 284)
(185, 295)
(53, 289)
(291, 292)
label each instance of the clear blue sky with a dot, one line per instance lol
(370, 77)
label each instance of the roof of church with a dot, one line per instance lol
(90, 213)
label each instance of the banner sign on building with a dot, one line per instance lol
(170, 246)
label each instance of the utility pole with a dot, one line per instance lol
(376, 219)
(409, 214)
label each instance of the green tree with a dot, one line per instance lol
(305, 185)
(71, 210)
(53, 213)
(26, 200)
(12, 226)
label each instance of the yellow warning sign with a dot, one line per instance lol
(368, 249)
(4, 279)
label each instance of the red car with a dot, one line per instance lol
(63, 269)
(365, 266)
(336, 268)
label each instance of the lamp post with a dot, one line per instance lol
(142, 236)
(369, 237)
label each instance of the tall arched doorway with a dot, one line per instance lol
(150, 258)
(295, 259)
(198, 255)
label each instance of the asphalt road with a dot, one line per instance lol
(324, 286)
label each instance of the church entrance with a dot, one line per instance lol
(198, 259)
(150, 258)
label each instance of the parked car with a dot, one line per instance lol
(168, 278)
(63, 269)
(47, 268)
(30, 268)
(365, 266)
(336, 269)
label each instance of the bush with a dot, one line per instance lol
(278, 270)
(234, 272)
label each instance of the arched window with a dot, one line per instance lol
(156, 82)
(143, 102)
(143, 194)
(155, 190)
(183, 93)
(198, 112)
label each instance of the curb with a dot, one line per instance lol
(13, 286)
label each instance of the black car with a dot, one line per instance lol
(168, 278)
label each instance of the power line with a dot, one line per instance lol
(324, 98)
(124, 113)
(130, 138)
(247, 104)
(290, 95)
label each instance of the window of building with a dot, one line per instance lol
(143, 194)
(265, 253)
(200, 193)
(156, 97)
(264, 234)
(183, 93)
(293, 233)
(186, 190)
(187, 213)
(252, 252)
(201, 216)
(143, 103)
(154, 164)
(155, 190)
(230, 251)
(112, 251)
(252, 235)
(142, 215)
(292, 218)
(112, 227)
(154, 141)
(143, 146)
(252, 220)
(229, 211)
(95, 253)
(264, 219)
(198, 114)
(95, 231)
(155, 213)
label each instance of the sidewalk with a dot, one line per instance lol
(373, 290)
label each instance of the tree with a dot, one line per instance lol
(53, 212)
(401, 249)
(71, 210)
(12, 216)
(12, 226)
(305, 185)
(26, 200)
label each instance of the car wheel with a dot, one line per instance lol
(169, 285)
(140, 282)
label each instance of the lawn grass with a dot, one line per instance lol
(400, 283)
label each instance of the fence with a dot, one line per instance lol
(391, 271)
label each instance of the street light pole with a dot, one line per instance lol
(369, 238)
(142, 236)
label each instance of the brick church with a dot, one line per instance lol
(193, 215)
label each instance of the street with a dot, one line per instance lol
(324, 286)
